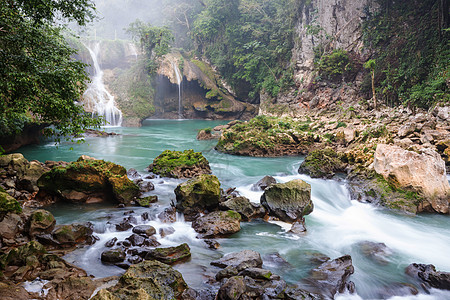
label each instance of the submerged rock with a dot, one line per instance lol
(288, 201)
(422, 173)
(264, 183)
(217, 223)
(198, 194)
(331, 277)
(177, 164)
(376, 251)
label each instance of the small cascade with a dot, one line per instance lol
(179, 81)
(98, 99)
(133, 50)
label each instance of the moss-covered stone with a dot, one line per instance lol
(322, 163)
(8, 203)
(41, 221)
(177, 164)
(170, 255)
(288, 201)
(91, 177)
(198, 194)
(217, 224)
(146, 201)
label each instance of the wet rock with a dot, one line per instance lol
(322, 163)
(217, 223)
(145, 216)
(146, 186)
(422, 173)
(256, 273)
(88, 180)
(297, 293)
(177, 164)
(429, 275)
(288, 201)
(240, 260)
(151, 242)
(228, 272)
(113, 256)
(146, 280)
(169, 215)
(170, 255)
(397, 289)
(124, 244)
(275, 260)
(147, 201)
(198, 194)
(124, 225)
(135, 259)
(145, 230)
(41, 222)
(233, 289)
(136, 240)
(298, 227)
(111, 242)
(72, 287)
(124, 265)
(165, 231)
(244, 207)
(331, 277)
(132, 173)
(376, 251)
(264, 183)
(73, 234)
(212, 244)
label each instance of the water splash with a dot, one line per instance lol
(179, 81)
(97, 98)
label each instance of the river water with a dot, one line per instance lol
(336, 227)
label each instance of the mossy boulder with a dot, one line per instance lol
(73, 234)
(288, 201)
(8, 204)
(244, 207)
(198, 194)
(25, 255)
(322, 163)
(41, 222)
(146, 280)
(177, 164)
(170, 255)
(88, 180)
(217, 224)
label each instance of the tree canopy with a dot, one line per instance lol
(39, 80)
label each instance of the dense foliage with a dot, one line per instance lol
(411, 47)
(250, 41)
(154, 41)
(39, 81)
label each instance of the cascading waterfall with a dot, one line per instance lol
(98, 99)
(179, 81)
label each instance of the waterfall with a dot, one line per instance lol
(179, 81)
(98, 99)
(133, 50)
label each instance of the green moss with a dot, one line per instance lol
(169, 160)
(335, 65)
(8, 203)
(234, 215)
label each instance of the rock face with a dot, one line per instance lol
(288, 201)
(217, 223)
(88, 180)
(177, 164)
(331, 277)
(198, 194)
(146, 280)
(429, 275)
(422, 173)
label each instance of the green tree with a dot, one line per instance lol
(154, 41)
(39, 80)
(370, 65)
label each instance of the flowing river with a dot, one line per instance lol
(336, 227)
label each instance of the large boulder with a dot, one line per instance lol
(240, 260)
(177, 164)
(170, 255)
(8, 204)
(428, 275)
(244, 207)
(288, 201)
(331, 277)
(422, 173)
(322, 163)
(73, 234)
(87, 181)
(41, 222)
(217, 224)
(198, 194)
(146, 280)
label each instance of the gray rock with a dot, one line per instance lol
(111, 242)
(217, 223)
(145, 230)
(136, 239)
(429, 275)
(240, 260)
(264, 183)
(244, 207)
(113, 256)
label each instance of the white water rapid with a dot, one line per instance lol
(98, 99)
(179, 81)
